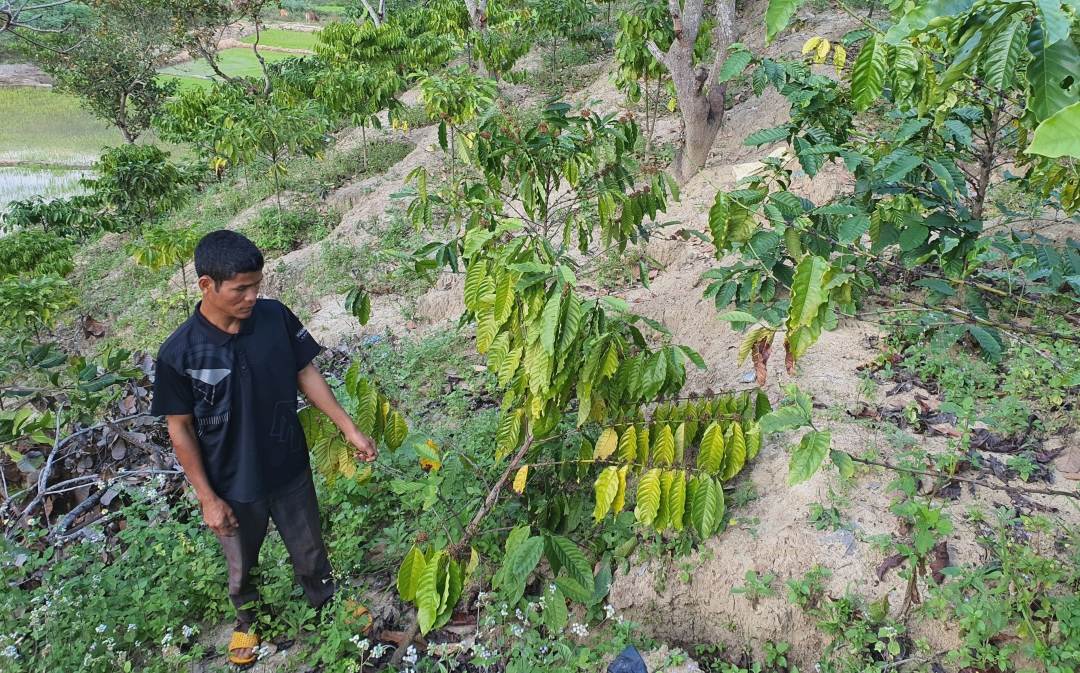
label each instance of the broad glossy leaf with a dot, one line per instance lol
(808, 456)
(711, 450)
(868, 74)
(806, 291)
(777, 17)
(409, 573)
(648, 497)
(1002, 56)
(917, 20)
(676, 501)
(782, 420)
(572, 560)
(1058, 136)
(607, 487)
(606, 444)
(1052, 73)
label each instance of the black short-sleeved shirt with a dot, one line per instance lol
(242, 391)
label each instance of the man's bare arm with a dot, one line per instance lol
(317, 391)
(217, 513)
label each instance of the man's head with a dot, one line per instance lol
(230, 271)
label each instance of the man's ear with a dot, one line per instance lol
(206, 284)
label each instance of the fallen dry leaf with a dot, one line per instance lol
(1068, 462)
(92, 327)
(888, 564)
(940, 562)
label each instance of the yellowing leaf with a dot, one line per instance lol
(664, 450)
(711, 452)
(822, 51)
(676, 501)
(642, 445)
(628, 445)
(620, 496)
(810, 45)
(606, 444)
(607, 488)
(409, 573)
(519, 479)
(839, 59)
(427, 464)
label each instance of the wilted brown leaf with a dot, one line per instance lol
(940, 562)
(92, 327)
(888, 564)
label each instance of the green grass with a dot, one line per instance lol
(287, 39)
(43, 127)
(233, 62)
(330, 9)
(21, 182)
(185, 83)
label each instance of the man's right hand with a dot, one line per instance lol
(219, 516)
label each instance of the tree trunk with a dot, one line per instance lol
(701, 97)
(478, 18)
(121, 120)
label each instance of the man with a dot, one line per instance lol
(227, 382)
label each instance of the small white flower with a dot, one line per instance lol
(363, 645)
(609, 611)
(410, 656)
(101, 628)
(378, 651)
(132, 627)
(579, 630)
(9, 652)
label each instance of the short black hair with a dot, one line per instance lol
(223, 254)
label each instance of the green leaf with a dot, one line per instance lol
(937, 285)
(518, 535)
(703, 507)
(900, 168)
(735, 455)
(409, 573)
(783, 419)
(664, 449)
(989, 340)
(572, 560)
(676, 500)
(777, 17)
(396, 431)
(734, 64)
(1053, 19)
(806, 291)
(808, 456)
(844, 463)
(428, 596)
(627, 451)
(694, 357)
(868, 74)
(1002, 56)
(549, 323)
(853, 228)
(1052, 73)
(920, 17)
(523, 560)
(573, 590)
(767, 136)
(737, 316)
(607, 487)
(556, 615)
(648, 497)
(1058, 136)
(913, 236)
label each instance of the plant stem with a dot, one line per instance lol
(997, 487)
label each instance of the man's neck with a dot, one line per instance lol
(224, 322)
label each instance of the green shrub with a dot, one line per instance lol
(36, 252)
(279, 232)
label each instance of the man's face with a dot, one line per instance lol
(236, 297)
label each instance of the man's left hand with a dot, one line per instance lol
(364, 445)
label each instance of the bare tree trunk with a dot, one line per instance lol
(477, 10)
(701, 97)
(262, 62)
(376, 17)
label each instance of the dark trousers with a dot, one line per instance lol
(295, 511)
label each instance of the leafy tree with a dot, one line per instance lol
(202, 118)
(76, 216)
(160, 247)
(454, 99)
(566, 19)
(198, 25)
(31, 303)
(114, 67)
(274, 129)
(36, 23)
(409, 41)
(138, 183)
(359, 94)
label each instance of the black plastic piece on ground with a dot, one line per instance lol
(628, 661)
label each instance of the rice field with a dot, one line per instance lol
(286, 39)
(21, 182)
(232, 62)
(42, 127)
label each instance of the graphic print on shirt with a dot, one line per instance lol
(210, 369)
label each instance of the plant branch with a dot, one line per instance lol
(997, 487)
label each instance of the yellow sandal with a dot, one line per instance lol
(242, 641)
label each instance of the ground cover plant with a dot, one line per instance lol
(289, 39)
(563, 450)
